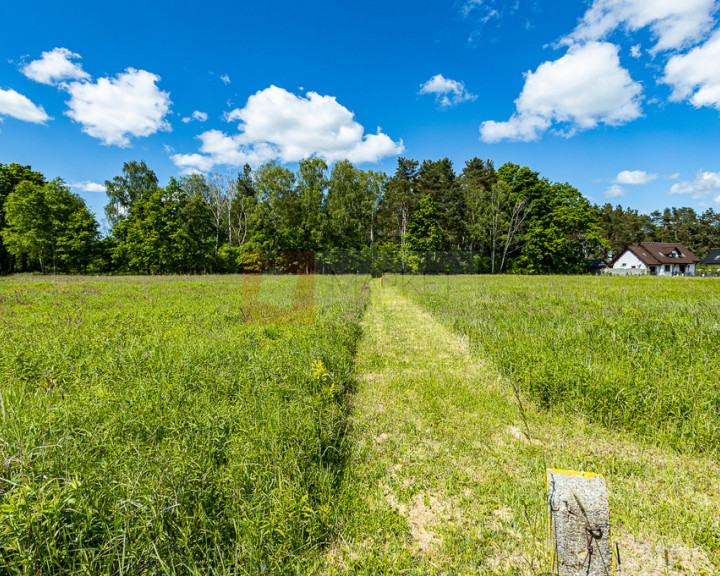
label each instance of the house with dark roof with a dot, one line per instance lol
(657, 259)
(712, 259)
(597, 266)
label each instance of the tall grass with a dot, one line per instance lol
(147, 428)
(637, 352)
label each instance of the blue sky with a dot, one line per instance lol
(620, 98)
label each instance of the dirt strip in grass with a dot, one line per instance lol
(448, 477)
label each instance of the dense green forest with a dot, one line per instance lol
(508, 219)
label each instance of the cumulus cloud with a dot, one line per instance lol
(585, 87)
(673, 24)
(193, 163)
(225, 78)
(276, 124)
(634, 177)
(114, 109)
(696, 74)
(88, 186)
(614, 191)
(447, 92)
(218, 148)
(705, 185)
(197, 115)
(520, 127)
(21, 107)
(604, 93)
(55, 66)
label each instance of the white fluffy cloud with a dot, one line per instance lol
(697, 74)
(447, 92)
(110, 109)
(21, 107)
(705, 185)
(673, 24)
(614, 191)
(218, 148)
(197, 115)
(87, 186)
(193, 163)
(634, 177)
(584, 88)
(113, 109)
(55, 66)
(588, 86)
(276, 124)
(520, 127)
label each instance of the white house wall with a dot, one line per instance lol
(628, 261)
(675, 270)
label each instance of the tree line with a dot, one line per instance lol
(508, 219)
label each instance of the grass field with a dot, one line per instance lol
(270, 425)
(147, 427)
(639, 353)
(447, 473)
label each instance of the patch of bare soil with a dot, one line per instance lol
(648, 557)
(424, 514)
(518, 434)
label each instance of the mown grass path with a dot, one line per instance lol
(447, 475)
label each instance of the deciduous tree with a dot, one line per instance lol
(10, 176)
(50, 224)
(136, 182)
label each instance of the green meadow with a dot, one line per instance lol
(227, 425)
(638, 353)
(150, 425)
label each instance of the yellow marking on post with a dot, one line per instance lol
(573, 473)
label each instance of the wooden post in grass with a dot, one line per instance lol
(579, 524)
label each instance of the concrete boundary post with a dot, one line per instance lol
(579, 524)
